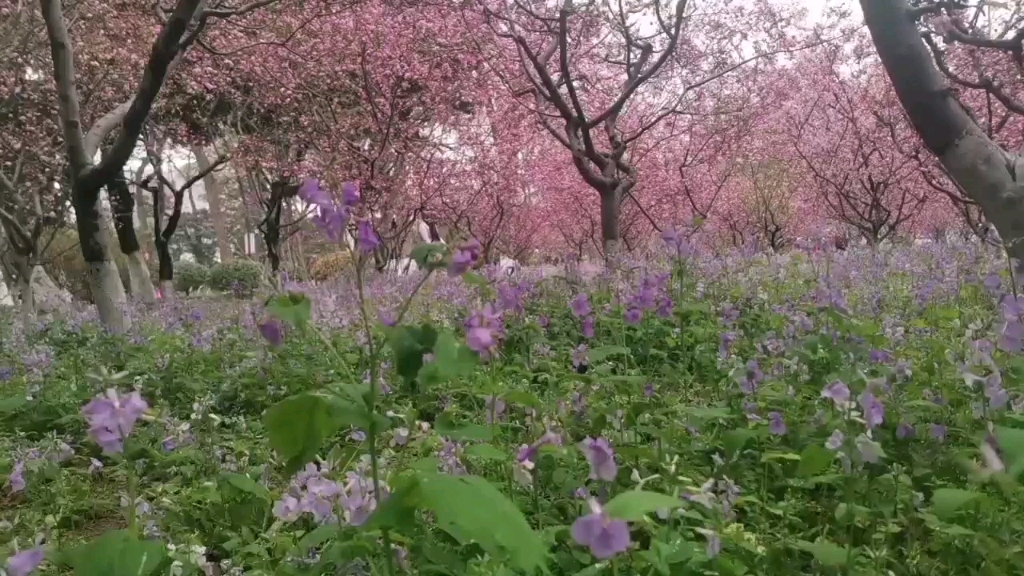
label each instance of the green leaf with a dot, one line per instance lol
(247, 485)
(1011, 447)
(767, 456)
(600, 353)
(825, 552)
(735, 440)
(452, 359)
(11, 404)
(293, 308)
(445, 426)
(470, 505)
(814, 460)
(947, 501)
(118, 553)
(297, 426)
(318, 536)
(486, 451)
(522, 398)
(429, 255)
(633, 505)
(409, 344)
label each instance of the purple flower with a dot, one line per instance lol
(874, 412)
(287, 508)
(17, 477)
(312, 193)
(601, 458)
(938, 431)
(465, 257)
(367, 238)
(272, 331)
(6, 373)
(776, 425)
(580, 305)
(649, 390)
(95, 466)
(905, 430)
(587, 327)
(579, 356)
(633, 316)
(838, 392)
(604, 536)
(484, 330)
(112, 418)
(349, 194)
(543, 321)
(24, 562)
(835, 441)
(400, 437)
(386, 317)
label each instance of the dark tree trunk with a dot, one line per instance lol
(987, 173)
(611, 206)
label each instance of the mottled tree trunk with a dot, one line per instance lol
(988, 174)
(123, 207)
(611, 239)
(166, 271)
(104, 281)
(214, 194)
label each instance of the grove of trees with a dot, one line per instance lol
(137, 135)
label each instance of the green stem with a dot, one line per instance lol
(132, 494)
(371, 407)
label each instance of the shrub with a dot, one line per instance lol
(190, 276)
(241, 277)
(328, 266)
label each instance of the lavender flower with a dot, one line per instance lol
(601, 458)
(938, 431)
(25, 562)
(465, 257)
(580, 306)
(272, 331)
(367, 238)
(776, 425)
(874, 411)
(838, 392)
(580, 356)
(112, 418)
(17, 478)
(835, 441)
(587, 327)
(604, 536)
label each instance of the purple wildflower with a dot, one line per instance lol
(349, 194)
(633, 316)
(465, 257)
(835, 441)
(776, 425)
(587, 327)
(579, 356)
(24, 562)
(367, 238)
(112, 418)
(580, 305)
(601, 458)
(17, 478)
(874, 411)
(604, 536)
(272, 331)
(838, 392)
(905, 430)
(938, 431)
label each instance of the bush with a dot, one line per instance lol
(241, 277)
(329, 266)
(190, 276)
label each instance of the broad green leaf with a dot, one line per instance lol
(429, 255)
(633, 505)
(318, 536)
(11, 404)
(409, 344)
(247, 485)
(1011, 446)
(451, 360)
(767, 456)
(825, 552)
(814, 460)
(602, 352)
(947, 501)
(118, 553)
(523, 398)
(445, 426)
(297, 426)
(293, 308)
(486, 451)
(470, 505)
(735, 440)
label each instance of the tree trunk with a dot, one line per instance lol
(123, 206)
(986, 172)
(214, 193)
(5, 292)
(610, 237)
(28, 301)
(104, 280)
(166, 273)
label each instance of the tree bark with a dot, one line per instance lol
(611, 204)
(987, 173)
(214, 193)
(104, 280)
(123, 207)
